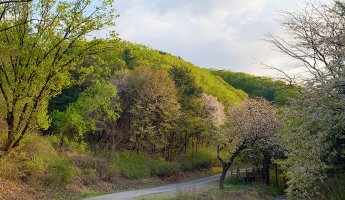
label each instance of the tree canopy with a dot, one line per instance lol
(314, 133)
(41, 43)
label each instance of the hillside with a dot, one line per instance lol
(130, 54)
(259, 86)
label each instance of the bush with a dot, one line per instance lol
(133, 165)
(198, 161)
(29, 161)
(60, 172)
(90, 176)
(163, 168)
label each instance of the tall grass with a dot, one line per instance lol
(133, 165)
(201, 160)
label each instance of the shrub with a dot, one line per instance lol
(60, 172)
(36, 145)
(29, 161)
(163, 168)
(11, 167)
(133, 165)
(90, 176)
(198, 161)
(37, 164)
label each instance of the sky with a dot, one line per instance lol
(221, 34)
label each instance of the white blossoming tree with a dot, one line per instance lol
(255, 120)
(315, 126)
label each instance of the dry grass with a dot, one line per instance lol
(210, 191)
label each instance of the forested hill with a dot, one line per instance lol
(118, 55)
(259, 86)
(136, 55)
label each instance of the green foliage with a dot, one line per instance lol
(163, 168)
(198, 161)
(36, 160)
(60, 171)
(133, 165)
(46, 55)
(67, 96)
(129, 58)
(185, 82)
(258, 86)
(204, 79)
(95, 105)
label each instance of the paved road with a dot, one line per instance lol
(165, 188)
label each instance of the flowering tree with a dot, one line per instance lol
(150, 109)
(315, 120)
(253, 121)
(214, 110)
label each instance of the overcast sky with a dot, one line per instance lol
(222, 34)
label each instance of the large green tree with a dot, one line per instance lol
(191, 123)
(95, 108)
(41, 42)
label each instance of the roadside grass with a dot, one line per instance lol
(89, 195)
(233, 189)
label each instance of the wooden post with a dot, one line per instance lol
(238, 174)
(276, 169)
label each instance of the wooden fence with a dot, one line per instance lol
(247, 174)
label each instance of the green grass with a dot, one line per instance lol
(198, 161)
(133, 165)
(233, 189)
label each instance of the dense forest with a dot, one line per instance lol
(276, 91)
(81, 115)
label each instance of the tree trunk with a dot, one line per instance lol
(266, 168)
(225, 168)
(7, 147)
(196, 145)
(276, 169)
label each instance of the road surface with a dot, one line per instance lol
(127, 195)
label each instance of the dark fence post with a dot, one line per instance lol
(276, 169)
(238, 174)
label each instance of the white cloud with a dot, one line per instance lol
(210, 33)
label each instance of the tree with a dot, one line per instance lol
(191, 122)
(150, 108)
(255, 120)
(95, 107)
(129, 58)
(214, 116)
(14, 1)
(314, 133)
(213, 109)
(276, 91)
(41, 43)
